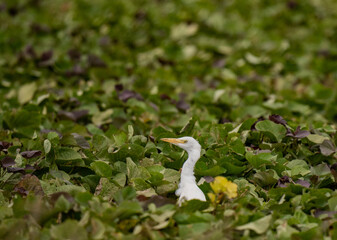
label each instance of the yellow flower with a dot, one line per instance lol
(223, 186)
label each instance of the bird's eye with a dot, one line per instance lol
(184, 141)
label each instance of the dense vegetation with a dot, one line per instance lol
(87, 89)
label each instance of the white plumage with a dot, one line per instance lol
(188, 189)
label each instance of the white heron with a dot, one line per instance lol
(188, 188)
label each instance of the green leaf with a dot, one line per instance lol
(327, 148)
(127, 209)
(67, 154)
(26, 92)
(318, 139)
(213, 171)
(132, 169)
(276, 132)
(332, 202)
(259, 226)
(195, 205)
(70, 229)
(127, 193)
(101, 168)
(46, 146)
(260, 159)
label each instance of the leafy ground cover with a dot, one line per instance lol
(87, 88)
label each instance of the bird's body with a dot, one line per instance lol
(188, 188)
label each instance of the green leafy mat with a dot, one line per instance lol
(87, 88)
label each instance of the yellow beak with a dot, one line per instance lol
(173, 140)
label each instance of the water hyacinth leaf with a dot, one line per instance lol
(132, 169)
(266, 178)
(26, 92)
(80, 140)
(277, 119)
(101, 168)
(320, 170)
(318, 139)
(70, 229)
(128, 208)
(106, 189)
(246, 125)
(192, 230)
(29, 183)
(213, 171)
(187, 129)
(332, 202)
(31, 154)
(46, 146)
(327, 148)
(125, 194)
(195, 205)
(258, 160)
(67, 154)
(275, 131)
(259, 226)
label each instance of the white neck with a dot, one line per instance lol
(187, 173)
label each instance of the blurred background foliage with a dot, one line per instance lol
(87, 88)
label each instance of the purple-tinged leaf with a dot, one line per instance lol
(21, 190)
(4, 146)
(277, 119)
(333, 169)
(7, 162)
(29, 183)
(2, 7)
(329, 214)
(127, 94)
(95, 61)
(74, 54)
(164, 61)
(119, 87)
(77, 70)
(154, 106)
(219, 63)
(208, 179)
(29, 51)
(302, 134)
(292, 4)
(323, 53)
(39, 28)
(104, 41)
(46, 56)
(31, 154)
(327, 148)
(74, 115)
(80, 140)
(182, 105)
(282, 182)
(298, 133)
(53, 197)
(303, 183)
(164, 97)
(224, 120)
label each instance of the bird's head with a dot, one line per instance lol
(189, 144)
